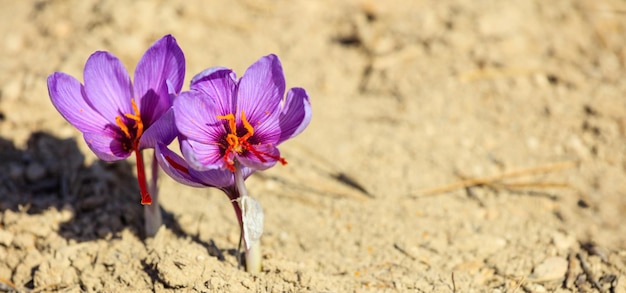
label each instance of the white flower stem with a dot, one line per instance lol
(239, 181)
(152, 212)
(253, 254)
(253, 258)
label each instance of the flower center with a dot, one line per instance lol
(138, 125)
(240, 144)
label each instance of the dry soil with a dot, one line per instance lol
(456, 146)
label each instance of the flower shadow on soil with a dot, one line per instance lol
(51, 173)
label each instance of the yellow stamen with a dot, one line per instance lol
(233, 142)
(136, 117)
(231, 122)
(122, 126)
(246, 125)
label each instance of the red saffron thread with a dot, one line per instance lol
(177, 166)
(146, 199)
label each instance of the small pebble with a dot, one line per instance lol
(66, 213)
(6, 237)
(25, 241)
(103, 232)
(552, 268)
(538, 288)
(16, 171)
(13, 42)
(12, 90)
(562, 241)
(10, 218)
(92, 202)
(62, 29)
(35, 172)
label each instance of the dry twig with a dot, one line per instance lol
(491, 73)
(6, 285)
(588, 272)
(495, 180)
(453, 284)
(519, 284)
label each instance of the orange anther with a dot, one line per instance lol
(247, 126)
(122, 126)
(231, 122)
(136, 117)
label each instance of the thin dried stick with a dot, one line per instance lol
(401, 250)
(588, 272)
(52, 287)
(494, 73)
(536, 185)
(8, 284)
(453, 283)
(531, 188)
(519, 284)
(491, 179)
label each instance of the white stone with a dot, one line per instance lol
(12, 90)
(562, 241)
(552, 268)
(6, 238)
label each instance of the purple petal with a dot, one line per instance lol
(291, 120)
(246, 172)
(107, 85)
(163, 130)
(252, 161)
(171, 90)
(180, 171)
(163, 61)
(106, 146)
(268, 132)
(174, 166)
(214, 177)
(220, 85)
(196, 118)
(210, 71)
(201, 156)
(261, 90)
(67, 95)
(160, 71)
(153, 104)
(296, 114)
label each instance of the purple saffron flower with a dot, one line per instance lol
(224, 121)
(117, 117)
(229, 128)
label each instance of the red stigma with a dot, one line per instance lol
(141, 178)
(133, 139)
(177, 166)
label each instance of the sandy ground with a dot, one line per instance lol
(524, 100)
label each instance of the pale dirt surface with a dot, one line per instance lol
(407, 96)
